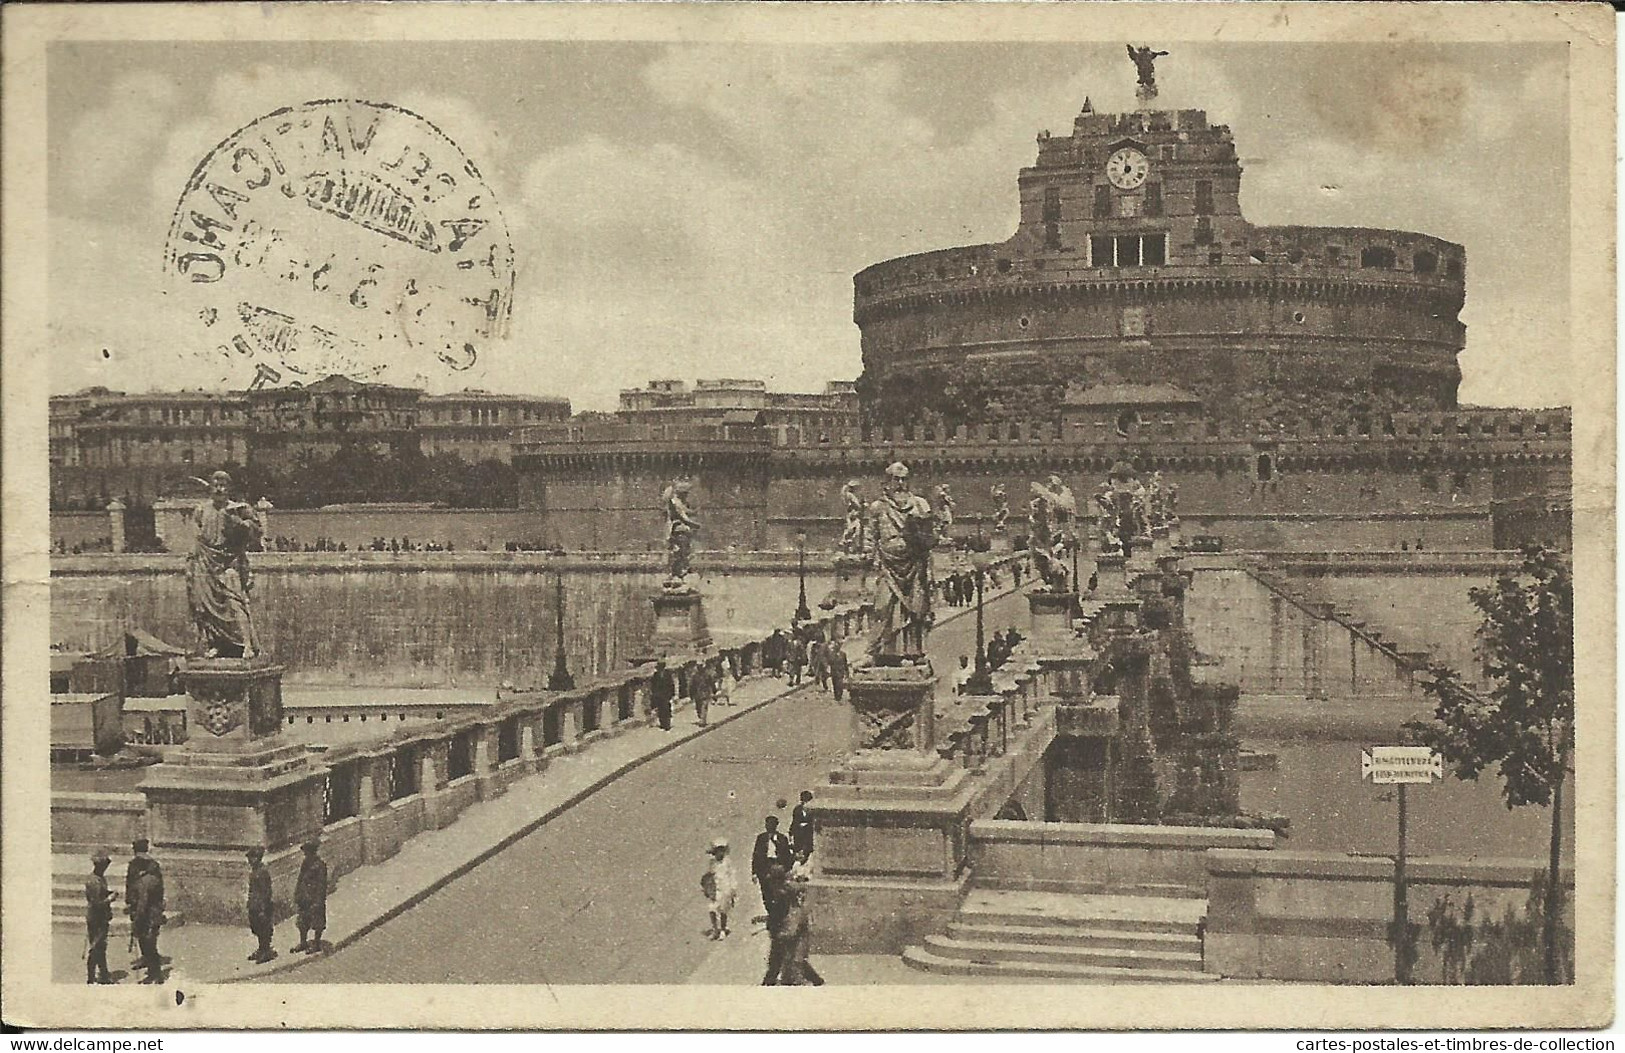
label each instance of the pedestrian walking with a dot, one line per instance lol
(310, 899)
(819, 660)
(721, 888)
(98, 920)
(700, 689)
(260, 910)
(963, 674)
(839, 667)
(147, 918)
(725, 685)
(773, 652)
(772, 850)
(662, 690)
(801, 827)
(787, 964)
(797, 660)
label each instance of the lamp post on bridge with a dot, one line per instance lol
(803, 612)
(561, 680)
(981, 681)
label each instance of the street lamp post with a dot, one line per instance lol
(1077, 586)
(561, 680)
(981, 681)
(803, 613)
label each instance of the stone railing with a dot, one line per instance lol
(379, 794)
(1325, 918)
(1095, 857)
(420, 775)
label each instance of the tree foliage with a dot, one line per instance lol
(1520, 726)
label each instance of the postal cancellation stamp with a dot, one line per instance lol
(338, 236)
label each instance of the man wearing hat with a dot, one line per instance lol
(98, 920)
(260, 921)
(662, 692)
(310, 899)
(140, 861)
(146, 908)
(904, 532)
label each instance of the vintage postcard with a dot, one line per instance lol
(992, 515)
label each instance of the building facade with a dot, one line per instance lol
(478, 425)
(1133, 264)
(1298, 384)
(107, 444)
(736, 401)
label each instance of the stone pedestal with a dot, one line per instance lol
(851, 582)
(1052, 614)
(891, 859)
(679, 622)
(237, 783)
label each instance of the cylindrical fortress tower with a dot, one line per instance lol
(1134, 265)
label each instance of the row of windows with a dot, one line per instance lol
(1128, 250)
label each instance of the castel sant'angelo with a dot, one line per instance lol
(1297, 383)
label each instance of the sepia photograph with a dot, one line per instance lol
(1013, 516)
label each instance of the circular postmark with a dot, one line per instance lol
(341, 236)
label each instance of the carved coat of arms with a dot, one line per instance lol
(220, 716)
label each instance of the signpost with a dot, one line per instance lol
(1401, 766)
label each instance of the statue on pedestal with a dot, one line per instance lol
(1144, 60)
(945, 514)
(680, 527)
(1046, 542)
(1001, 510)
(218, 579)
(1125, 518)
(1157, 501)
(852, 534)
(902, 533)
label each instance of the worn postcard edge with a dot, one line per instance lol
(31, 999)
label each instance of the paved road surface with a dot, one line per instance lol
(609, 892)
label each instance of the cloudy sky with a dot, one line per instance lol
(684, 210)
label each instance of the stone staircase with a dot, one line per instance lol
(68, 873)
(1091, 937)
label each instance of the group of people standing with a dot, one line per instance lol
(780, 865)
(144, 904)
(803, 652)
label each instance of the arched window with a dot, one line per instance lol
(1425, 263)
(1266, 467)
(1126, 422)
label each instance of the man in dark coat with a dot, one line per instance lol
(662, 690)
(98, 920)
(140, 860)
(773, 652)
(801, 827)
(310, 899)
(839, 667)
(260, 911)
(787, 963)
(772, 850)
(147, 917)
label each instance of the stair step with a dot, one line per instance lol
(1091, 911)
(1068, 936)
(1119, 957)
(927, 961)
(70, 912)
